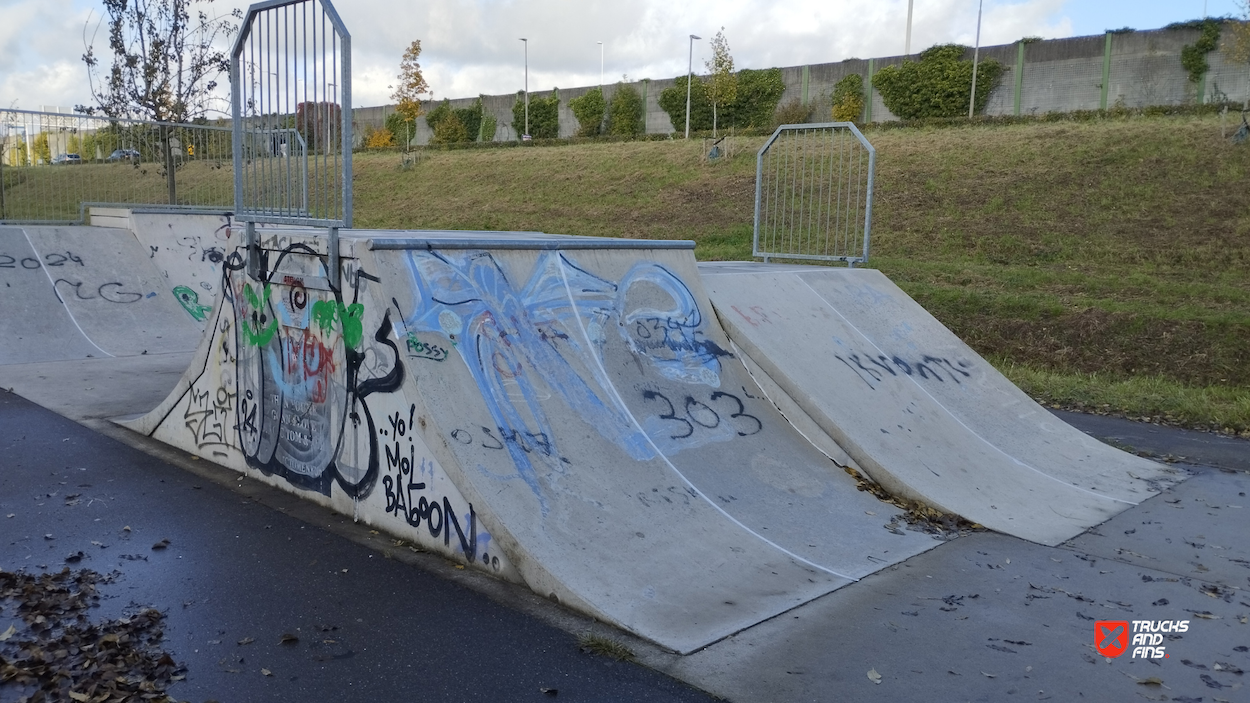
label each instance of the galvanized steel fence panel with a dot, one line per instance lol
(813, 194)
(120, 162)
(290, 77)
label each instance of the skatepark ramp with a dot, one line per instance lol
(660, 444)
(562, 411)
(915, 407)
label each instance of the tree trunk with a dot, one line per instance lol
(713, 120)
(169, 164)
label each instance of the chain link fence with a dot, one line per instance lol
(54, 165)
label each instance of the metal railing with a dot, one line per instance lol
(813, 194)
(54, 165)
(291, 96)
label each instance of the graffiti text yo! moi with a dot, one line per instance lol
(403, 491)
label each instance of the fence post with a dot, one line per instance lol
(1106, 71)
(868, 92)
(1019, 74)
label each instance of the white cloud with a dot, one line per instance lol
(471, 46)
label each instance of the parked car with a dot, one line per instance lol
(66, 159)
(123, 155)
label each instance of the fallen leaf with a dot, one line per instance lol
(989, 676)
(247, 640)
(288, 638)
(7, 633)
(161, 544)
(79, 696)
(11, 515)
(550, 691)
(874, 676)
(266, 672)
(126, 528)
(1152, 681)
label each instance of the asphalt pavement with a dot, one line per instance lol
(373, 621)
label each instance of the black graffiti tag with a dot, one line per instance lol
(696, 413)
(873, 370)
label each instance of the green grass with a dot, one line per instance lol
(1103, 265)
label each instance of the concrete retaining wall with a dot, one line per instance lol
(1058, 75)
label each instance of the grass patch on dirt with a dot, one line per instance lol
(1101, 264)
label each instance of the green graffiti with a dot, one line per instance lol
(190, 301)
(326, 312)
(353, 324)
(257, 332)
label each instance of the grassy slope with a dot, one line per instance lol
(1104, 265)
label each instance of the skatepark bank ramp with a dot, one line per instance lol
(561, 411)
(577, 414)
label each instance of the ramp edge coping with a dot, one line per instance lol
(551, 243)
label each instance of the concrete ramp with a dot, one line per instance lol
(560, 411)
(84, 292)
(913, 405)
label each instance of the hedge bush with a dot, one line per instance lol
(937, 85)
(544, 115)
(625, 117)
(589, 110)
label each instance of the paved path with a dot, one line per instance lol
(237, 568)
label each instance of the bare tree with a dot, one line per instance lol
(166, 58)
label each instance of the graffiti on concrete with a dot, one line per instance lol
(30, 263)
(525, 344)
(872, 369)
(303, 392)
(190, 301)
(408, 484)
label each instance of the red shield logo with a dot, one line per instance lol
(1111, 637)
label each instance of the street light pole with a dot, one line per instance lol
(972, 101)
(600, 66)
(527, 85)
(907, 45)
(689, 80)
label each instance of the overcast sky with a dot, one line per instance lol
(472, 47)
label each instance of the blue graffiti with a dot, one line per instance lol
(521, 346)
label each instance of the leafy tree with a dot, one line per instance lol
(544, 115)
(758, 93)
(722, 85)
(937, 85)
(848, 98)
(627, 111)
(436, 115)
(486, 132)
(319, 124)
(379, 138)
(73, 145)
(42, 150)
(411, 85)
(402, 129)
(673, 101)
(471, 118)
(448, 129)
(165, 62)
(589, 110)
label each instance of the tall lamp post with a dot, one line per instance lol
(527, 85)
(907, 44)
(972, 100)
(600, 65)
(689, 80)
